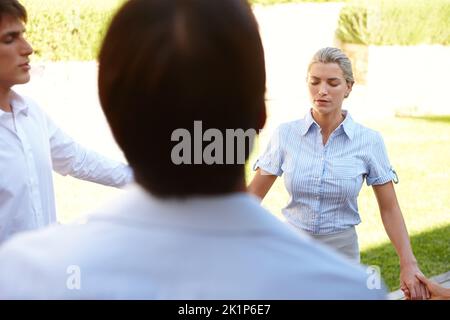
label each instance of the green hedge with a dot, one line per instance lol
(271, 2)
(395, 22)
(73, 29)
(68, 29)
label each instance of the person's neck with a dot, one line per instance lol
(328, 122)
(5, 99)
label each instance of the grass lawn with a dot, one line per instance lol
(419, 151)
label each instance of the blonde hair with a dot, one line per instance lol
(334, 55)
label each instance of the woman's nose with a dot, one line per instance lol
(323, 90)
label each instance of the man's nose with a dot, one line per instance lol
(26, 49)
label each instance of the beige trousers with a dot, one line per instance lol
(345, 242)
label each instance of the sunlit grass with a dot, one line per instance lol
(431, 248)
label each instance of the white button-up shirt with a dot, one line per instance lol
(142, 247)
(324, 181)
(31, 145)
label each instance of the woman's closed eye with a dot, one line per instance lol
(334, 83)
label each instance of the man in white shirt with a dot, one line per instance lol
(31, 145)
(189, 230)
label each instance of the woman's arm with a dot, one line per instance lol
(395, 227)
(261, 183)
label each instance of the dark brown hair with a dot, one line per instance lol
(167, 63)
(12, 8)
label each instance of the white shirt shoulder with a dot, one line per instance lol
(140, 248)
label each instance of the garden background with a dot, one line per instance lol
(401, 54)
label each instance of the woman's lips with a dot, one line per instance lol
(321, 101)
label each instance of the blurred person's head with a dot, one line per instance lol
(165, 64)
(14, 49)
(330, 80)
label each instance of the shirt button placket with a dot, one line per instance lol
(33, 182)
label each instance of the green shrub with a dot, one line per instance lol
(395, 22)
(68, 29)
(352, 27)
(271, 2)
(73, 29)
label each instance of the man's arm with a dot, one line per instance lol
(437, 291)
(70, 158)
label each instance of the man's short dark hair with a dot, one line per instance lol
(167, 63)
(12, 8)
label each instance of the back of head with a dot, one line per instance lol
(12, 8)
(167, 63)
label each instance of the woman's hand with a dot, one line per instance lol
(410, 284)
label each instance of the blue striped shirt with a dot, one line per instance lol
(324, 181)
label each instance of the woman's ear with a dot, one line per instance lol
(349, 89)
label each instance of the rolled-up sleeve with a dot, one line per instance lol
(380, 169)
(272, 159)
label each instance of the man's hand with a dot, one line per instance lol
(437, 292)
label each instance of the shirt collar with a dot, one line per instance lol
(237, 211)
(308, 121)
(18, 104)
(348, 124)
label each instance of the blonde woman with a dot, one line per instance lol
(325, 158)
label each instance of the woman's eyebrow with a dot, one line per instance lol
(329, 79)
